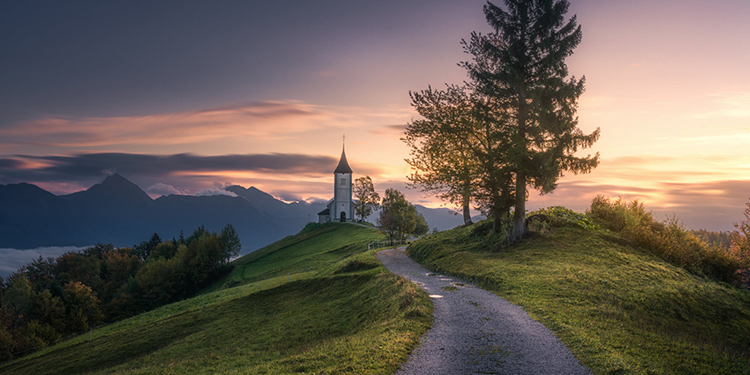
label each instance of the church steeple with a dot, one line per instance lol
(343, 166)
(341, 207)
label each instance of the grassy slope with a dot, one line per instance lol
(618, 309)
(343, 314)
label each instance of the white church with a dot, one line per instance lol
(341, 207)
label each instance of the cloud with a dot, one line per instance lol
(245, 120)
(12, 259)
(158, 189)
(86, 166)
(214, 191)
(728, 105)
(286, 196)
(390, 130)
(10, 163)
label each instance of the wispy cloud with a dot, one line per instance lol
(395, 130)
(160, 188)
(728, 105)
(266, 119)
(66, 168)
(214, 191)
(285, 175)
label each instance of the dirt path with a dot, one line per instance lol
(476, 332)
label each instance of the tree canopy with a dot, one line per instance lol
(400, 218)
(513, 124)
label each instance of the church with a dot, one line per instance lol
(341, 207)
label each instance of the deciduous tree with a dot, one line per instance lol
(459, 149)
(398, 217)
(441, 158)
(82, 307)
(367, 199)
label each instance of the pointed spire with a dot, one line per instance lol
(343, 166)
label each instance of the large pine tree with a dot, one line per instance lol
(521, 64)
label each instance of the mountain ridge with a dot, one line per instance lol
(118, 211)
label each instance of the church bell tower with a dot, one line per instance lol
(342, 208)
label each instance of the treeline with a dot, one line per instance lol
(52, 298)
(720, 239)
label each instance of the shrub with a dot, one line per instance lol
(558, 216)
(668, 240)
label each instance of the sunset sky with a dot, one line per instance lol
(187, 97)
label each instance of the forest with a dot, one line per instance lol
(51, 299)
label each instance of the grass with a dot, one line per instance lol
(620, 310)
(341, 312)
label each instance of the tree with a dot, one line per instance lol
(143, 249)
(420, 225)
(459, 150)
(118, 266)
(439, 156)
(398, 217)
(232, 244)
(41, 272)
(20, 297)
(367, 199)
(82, 307)
(521, 65)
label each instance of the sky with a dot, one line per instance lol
(189, 97)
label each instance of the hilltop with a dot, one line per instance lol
(313, 302)
(620, 308)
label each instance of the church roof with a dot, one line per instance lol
(343, 166)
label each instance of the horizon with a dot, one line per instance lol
(202, 96)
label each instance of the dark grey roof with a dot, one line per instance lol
(325, 212)
(343, 166)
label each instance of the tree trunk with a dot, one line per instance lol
(519, 216)
(466, 205)
(467, 215)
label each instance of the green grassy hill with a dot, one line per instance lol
(310, 303)
(620, 310)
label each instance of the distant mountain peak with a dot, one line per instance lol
(117, 179)
(114, 187)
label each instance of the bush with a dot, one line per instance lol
(668, 240)
(557, 216)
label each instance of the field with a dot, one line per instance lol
(620, 310)
(311, 303)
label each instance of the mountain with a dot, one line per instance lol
(440, 218)
(117, 211)
(28, 214)
(267, 203)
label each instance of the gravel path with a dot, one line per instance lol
(477, 332)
